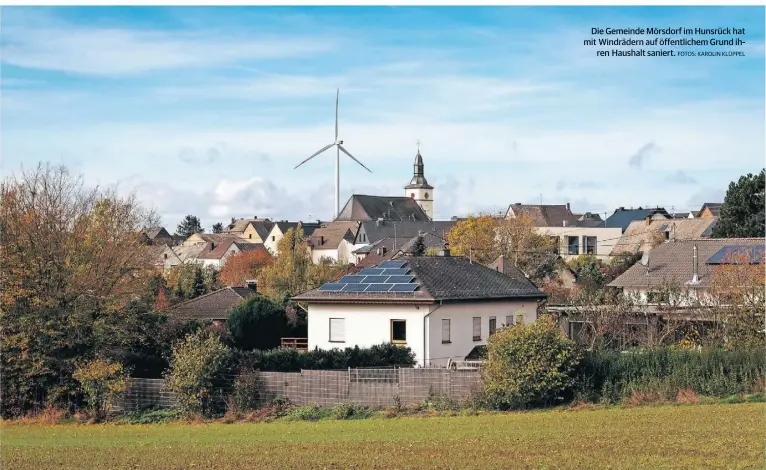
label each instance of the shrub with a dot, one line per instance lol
(291, 360)
(101, 381)
(308, 413)
(610, 377)
(351, 411)
(151, 417)
(529, 365)
(258, 323)
(197, 365)
(246, 391)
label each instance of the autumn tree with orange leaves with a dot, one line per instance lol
(244, 266)
(71, 261)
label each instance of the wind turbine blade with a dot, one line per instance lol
(352, 157)
(317, 153)
(337, 97)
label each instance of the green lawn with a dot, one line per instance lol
(652, 437)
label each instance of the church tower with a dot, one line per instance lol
(419, 189)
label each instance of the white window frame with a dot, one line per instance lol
(492, 328)
(446, 330)
(477, 328)
(509, 320)
(337, 330)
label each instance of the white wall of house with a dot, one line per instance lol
(317, 255)
(606, 238)
(460, 316)
(273, 240)
(366, 325)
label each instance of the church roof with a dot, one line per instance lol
(362, 207)
(418, 177)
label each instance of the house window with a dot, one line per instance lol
(337, 330)
(399, 331)
(590, 245)
(573, 245)
(250, 235)
(165, 255)
(519, 319)
(233, 252)
(492, 325)
(445, 330)
(477, 328)
(273, 238)
(509, 320)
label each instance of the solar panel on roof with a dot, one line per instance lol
(392, 264)
(403, 287)
(376, 279)
(396, 271)
(733, 254)
(378, 287)
(331, 287)
(400, 279)
(371, 272)
(355, 287)
(351, 279)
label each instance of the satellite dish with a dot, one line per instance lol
(645, 259)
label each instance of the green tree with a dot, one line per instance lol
(529, 365)
(198, 285)
(742, 212)
(420, 247)
(258, 323)
(217, 227)
(196, 369)
(190, 225)
(102, 381)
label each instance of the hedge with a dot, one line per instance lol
(606, 376)
(292, 360)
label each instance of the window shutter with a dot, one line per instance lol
(445, 330)
(338, 329)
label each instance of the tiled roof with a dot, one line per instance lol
(153, 232)
(442, 278)
(220, 249)
(188, 252)
(213, 306)
(429, 240)
(377, 230)
(544, 215)
(261, 226)
(713, 207)
(330, 235)
(361, 207)
(638, 236)
(284, 226)
(623, 217)
(672, 262)
(157, 252)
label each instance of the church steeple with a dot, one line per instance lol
(419, 189)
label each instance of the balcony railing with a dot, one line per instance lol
(301, 344)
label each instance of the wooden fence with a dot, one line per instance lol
(368, 387)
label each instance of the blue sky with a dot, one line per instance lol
(207, 110)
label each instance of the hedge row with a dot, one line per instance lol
(292, 360)
(607, 376)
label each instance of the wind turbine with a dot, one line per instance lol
(338, 144)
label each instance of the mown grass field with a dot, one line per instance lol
(652, 437)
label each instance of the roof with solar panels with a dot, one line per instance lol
(423, 279)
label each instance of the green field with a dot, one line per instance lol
(652, 437)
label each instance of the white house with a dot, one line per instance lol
(215, 253)
(441, 307)
(334, 241)
(279, 230)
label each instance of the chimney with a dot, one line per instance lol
(212, 246)
(255, 216)
(252, 284)
(233, 219)
(568, 209)
(647, 220)
(695, 266)
(563, 223)
(620, 209)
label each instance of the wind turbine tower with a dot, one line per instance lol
(338, 144)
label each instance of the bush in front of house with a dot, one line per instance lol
(258, 323)
(529, 365)
(197, 369)
(610, 376)
(291, 360)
